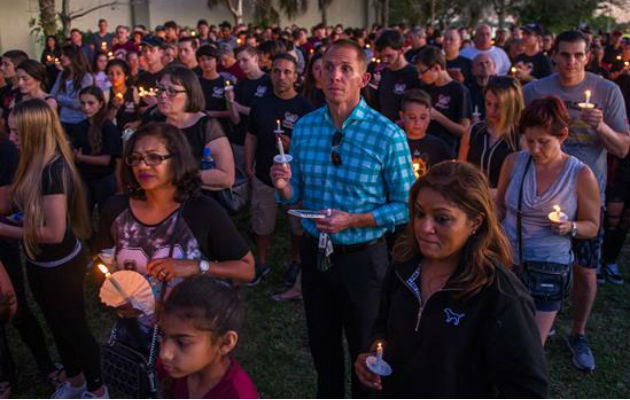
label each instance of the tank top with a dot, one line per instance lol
(539, 242)
(489, 158)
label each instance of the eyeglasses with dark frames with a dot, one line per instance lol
(170, 92)
(335, 157)
(150, 159)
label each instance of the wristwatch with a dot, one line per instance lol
(204, 266)
(574, 231)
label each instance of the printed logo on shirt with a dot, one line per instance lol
(399, 88)
(289, 120)
(218, 92)
(452, 317)
(130, 106)
(443, 102)
(260, 91)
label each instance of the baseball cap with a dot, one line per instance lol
(153, 41)
(533, 28)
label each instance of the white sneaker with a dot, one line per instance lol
(92, 395)
(67, 391)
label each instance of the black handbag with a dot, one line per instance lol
(546, 281)
(235, 198)
(127, 367)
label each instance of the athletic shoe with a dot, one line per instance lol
(582, 356)
(291, 275)
(67, 391)
(92, 395)
(262, 270)
(612, 274)
(600, 275)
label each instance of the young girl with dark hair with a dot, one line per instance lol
(74, 77)
(98, 71)
(124, 101)
(97, 148)
(200, 329)
(47, 189)
(31, 81)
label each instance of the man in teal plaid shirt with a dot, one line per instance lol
(353, 161)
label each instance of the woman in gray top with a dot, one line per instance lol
(547, 177)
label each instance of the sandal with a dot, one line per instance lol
(289, 295)
(57, 376)
(5, 390)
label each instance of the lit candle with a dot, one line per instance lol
(280, 147)
(513, 70)
(416, 169)
(626, 64)
(119, 96)
(193, 33)
(228, 85)
(618, 58)
(373, 59)
(587, 103)
(238, 41)
(378, 60)
(379, 352)
(588, 96)
(278, 127)
(557, 215)
(114, 282)
(104, 45)
(312, 51)
(142, 92)
(110, 54)
(367, 46)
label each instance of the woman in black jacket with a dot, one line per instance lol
(454, 322)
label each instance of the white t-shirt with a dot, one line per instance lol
(501, 60)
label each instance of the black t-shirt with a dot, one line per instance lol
(428, 151)
(411, 53)
(476, 98)
(392, 87)
(462, 64)
(247, 92)
(204, 231)
(262, 124)
(539, 65)
(489, 158)
(111, 145)
(452, 100)
(128, 112)
(214, 93)
(53, 183)
(9, 159)
(202, 132)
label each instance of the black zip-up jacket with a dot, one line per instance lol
(485, 346)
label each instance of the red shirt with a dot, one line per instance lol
(235, 384)
(234, 70)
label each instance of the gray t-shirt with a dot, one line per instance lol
(583, 141)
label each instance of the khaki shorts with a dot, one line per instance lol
(264, 210)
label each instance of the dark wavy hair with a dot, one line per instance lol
(185, 170)
(95, 132)
(467, 188)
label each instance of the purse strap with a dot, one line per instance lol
(519, 214)
(155, 333)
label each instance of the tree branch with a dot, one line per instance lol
(80, 13)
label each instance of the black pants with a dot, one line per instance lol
(343, 299)
(24, 321)
(59, 293)
(99, 190)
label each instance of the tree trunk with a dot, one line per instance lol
(47, 17)
(323, 11)
(386, 13)
(64, 16)
(237, 11)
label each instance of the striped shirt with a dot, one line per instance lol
(374, 177)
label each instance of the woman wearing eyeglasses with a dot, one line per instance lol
(164, 210)
(488, 143)
(181, 101)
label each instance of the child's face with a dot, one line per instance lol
(416, 118)
(89, 105)
(185, 349)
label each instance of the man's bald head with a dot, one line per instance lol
(483, 65)
(483, 37)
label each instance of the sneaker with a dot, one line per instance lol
(92, 395)
(67, 391)
(600, 276)
(262, 270)
(582, 356)
(292, 272)
(612, 274)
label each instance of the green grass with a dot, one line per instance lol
(274, 346)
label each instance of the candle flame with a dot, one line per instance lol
(513, 70)
(587, 93)
(557, 208)
(103, 268)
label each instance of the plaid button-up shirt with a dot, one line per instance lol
(375, 174)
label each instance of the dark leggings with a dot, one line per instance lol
(24, 321)
(615, 230)
(99, 190)
(59, 293)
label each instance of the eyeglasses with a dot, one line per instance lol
(170, 92)
(150, 159)
(335, 157)
(424, 71)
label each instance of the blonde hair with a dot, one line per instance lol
(511, 104)
(42, 141)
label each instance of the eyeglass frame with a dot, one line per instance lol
(170, 92)
(160, 158)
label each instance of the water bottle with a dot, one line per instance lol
(207, 162)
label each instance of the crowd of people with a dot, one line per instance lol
(448, 192)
